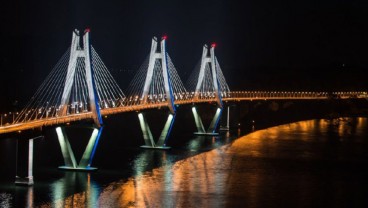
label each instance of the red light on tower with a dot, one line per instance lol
(164, 37)
(87, 30)
(213, 45)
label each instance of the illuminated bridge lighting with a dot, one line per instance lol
(65, 96)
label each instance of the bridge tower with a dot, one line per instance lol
(161, 57)
(80, 54)
(211, 85)
(156, 84)
(78, 86)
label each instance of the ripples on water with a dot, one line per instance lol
(316, 163)
(5, 200)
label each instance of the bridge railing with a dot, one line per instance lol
(135, 103)
(8, 118)
(276, 94)
(293, 95)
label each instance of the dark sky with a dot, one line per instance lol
(262, 44)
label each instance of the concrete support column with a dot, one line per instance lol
(89, 152)
(24, 162)
(213, 126)
(147, 135)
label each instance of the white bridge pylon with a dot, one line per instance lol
(77, 53)
(208, 65)
(84, 55)
(211, 84)
(162, 57)
(157, 82)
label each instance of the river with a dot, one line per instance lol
(313, 163)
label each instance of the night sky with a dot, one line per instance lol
(261, 44)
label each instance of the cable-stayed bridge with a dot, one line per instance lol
(80, 87)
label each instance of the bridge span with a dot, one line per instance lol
(136, 106)
(80, 87)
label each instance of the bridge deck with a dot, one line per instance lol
(32, 124)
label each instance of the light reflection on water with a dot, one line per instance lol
(5, 200)
(300, 164)
(62, 194)
(183, 183)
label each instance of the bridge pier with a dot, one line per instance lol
(227, 127)
(147, 135)
(68, 154)
(213, 126)
(24, 162)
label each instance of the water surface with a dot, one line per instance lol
(315, 163)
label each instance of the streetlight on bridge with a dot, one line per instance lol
(12, 113)
(2, 117)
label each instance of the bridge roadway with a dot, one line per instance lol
(136, 106)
